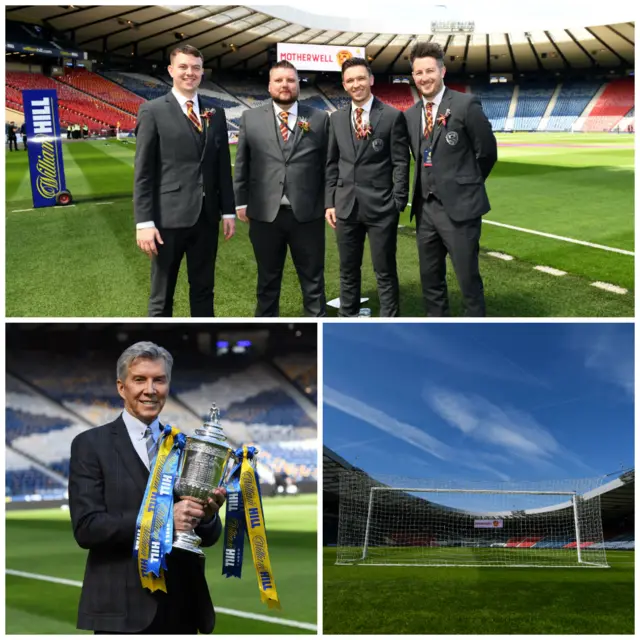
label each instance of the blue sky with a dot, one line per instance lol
(491, 402)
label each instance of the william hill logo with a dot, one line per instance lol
(48, 173)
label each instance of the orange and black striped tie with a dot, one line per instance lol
(191, 114)
(284, 125)
(428, 119)
(358, 123)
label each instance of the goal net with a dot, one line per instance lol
(402, 521)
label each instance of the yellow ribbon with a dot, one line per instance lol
(257, 533)
(150, 581)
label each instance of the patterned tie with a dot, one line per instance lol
(284, 125)
(151, 445)
(428, 119)
(359, 126)
(191, 114)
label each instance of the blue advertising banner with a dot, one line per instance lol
(44, 145)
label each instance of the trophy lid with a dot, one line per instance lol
(211, 431)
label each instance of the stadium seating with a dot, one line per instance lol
(533, 100)
(398, 94)
(572, 101)
(495, 99)
(145, 86)
(615, 102)
(75, 107)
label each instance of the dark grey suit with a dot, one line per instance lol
(107, 481)
(449, 198)
(266, 169)
(368, 184)
(174, 166)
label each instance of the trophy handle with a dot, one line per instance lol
(230, 461)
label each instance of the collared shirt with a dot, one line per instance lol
(182, 101)
(366, 114)
(436, 100)
(291, 125)
(136, 430)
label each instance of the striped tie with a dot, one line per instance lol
(284, 125)
(151, 445)
(359, 133)
(428, 119)
(191, 114)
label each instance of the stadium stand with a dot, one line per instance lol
(533, 100)
(572, 101)
(616, 101)
(145, 86)
(398, 94)
(495, 99)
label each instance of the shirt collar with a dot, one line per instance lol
(182, 100)
(366, 106)
(137, 428)
(292, 110)
(436, 100)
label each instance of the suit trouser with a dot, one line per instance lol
(200, 244)
(383, 241)
(306, 240)
(13, 143)
(437, 235)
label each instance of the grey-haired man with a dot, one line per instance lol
(108, 475)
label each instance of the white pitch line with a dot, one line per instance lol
(500, 256)
(609, 287)
(550, 270)
(21, 210)
(63, 206)
(230, 612)
(564, 238)
(103, 203)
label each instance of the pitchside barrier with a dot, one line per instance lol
(44, 147)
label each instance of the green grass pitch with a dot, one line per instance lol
(41, 542)
(478, 600)
(82, 260)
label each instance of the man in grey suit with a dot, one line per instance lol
(182, 187)
(367, 188)
(455, 150)
(279, 188)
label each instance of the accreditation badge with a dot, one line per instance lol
(427, 158)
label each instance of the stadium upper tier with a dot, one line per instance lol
(104, 101)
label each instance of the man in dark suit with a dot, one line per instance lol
(367, 188)
(279, 188)
(108, 475)
(182, 187)
(454, 149)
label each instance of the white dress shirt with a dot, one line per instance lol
(366, 114)
(291, 125)
(182, 101)
(436, 100)
(136, 430)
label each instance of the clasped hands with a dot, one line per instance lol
(188, 513)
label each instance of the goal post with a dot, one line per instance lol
(425, 523)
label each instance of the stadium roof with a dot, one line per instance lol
(237, 38)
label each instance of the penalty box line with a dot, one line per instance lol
(230, 612)
(553, 236)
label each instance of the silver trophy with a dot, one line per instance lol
(206, 462)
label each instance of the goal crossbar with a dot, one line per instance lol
(422, 490)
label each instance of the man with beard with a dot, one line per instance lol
(367, 188)
(454, 149)
(279, 185)
(182, 187)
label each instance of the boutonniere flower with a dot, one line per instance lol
(303, 123)
(443, 117)
(365, 131)
(206, 116)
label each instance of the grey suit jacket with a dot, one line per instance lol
(464, 151)
(262, 167)
(172, 169)
(377, 172)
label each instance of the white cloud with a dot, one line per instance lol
(610, 356)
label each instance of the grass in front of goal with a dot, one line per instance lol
(82, 261)
(480, 600)
(41, 542)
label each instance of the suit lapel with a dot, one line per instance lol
(206, 125)
(417, 132)
(374, 118)
(182, 120)
(130, 458)
(444, 105)
(298, 133)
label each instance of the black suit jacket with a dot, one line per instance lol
(464, 152)
(375, 171)
(107, 481)
(172, 169)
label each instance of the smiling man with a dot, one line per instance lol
(454, 149)
(182, 187)
(367, 188)
(108, 475)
